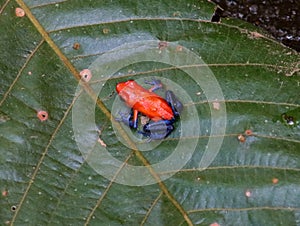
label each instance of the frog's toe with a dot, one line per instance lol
(156, 84)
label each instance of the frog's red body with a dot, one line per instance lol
(142, 100)
(162, 112)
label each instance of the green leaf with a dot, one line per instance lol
(46, 180)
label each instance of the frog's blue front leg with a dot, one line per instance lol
(175, 104)
(156, 84)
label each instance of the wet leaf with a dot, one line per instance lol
(46, 180)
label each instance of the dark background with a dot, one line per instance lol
(281, 18)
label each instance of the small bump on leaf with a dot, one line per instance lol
(241, 138)
(248, 132)
(216, 105)
(162, 45)
(4, 193)
(42, 115)
(86, 75)
(248, 193)
(179, 48)
(19, 12)
(275, 180)
(177, 14)
(255, 35)
(214, 224)
(13, 208)
(105, 30)
(76, 46)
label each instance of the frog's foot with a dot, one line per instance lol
(127, 119)
(173, 101)
(156, 84)
(157, 130)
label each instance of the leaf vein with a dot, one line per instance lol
(20, 72)
(151, 208)
(242, 30)
(4, 6)
(47, 4)
(129, 20)
(194, 66)
(37, 168)
(186, 170)
(235, 135)
(100, 104)
(246, 209)
(99, 201)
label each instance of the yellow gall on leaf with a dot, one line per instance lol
(105, 30)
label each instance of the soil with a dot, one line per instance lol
(281, 18)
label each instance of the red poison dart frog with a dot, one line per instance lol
(161, 112)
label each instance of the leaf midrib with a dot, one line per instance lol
(87, 88)
(75, 73)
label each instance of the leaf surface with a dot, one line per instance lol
(45, 179)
